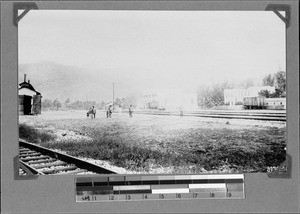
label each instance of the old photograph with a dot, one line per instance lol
(151, 92)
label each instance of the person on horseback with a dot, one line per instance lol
(88, 113)
(92, 112)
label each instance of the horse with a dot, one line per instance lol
(92, 112)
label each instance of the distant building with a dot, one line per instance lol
(167, 100)
(30, 100)
(236, 96)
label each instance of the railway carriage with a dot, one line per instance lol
(254, 102)
(264, 103)
(275, 103)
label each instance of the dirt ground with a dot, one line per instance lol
(58, 119)
(167, 134)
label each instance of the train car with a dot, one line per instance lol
(275, 103)
(264, 103)
(254, 102)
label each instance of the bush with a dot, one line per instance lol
(129, 157)
(33, 135)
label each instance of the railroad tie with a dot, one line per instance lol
(68, 168)
(35, 158)
(42, 161)
(57, 163)
(73, 172)
(30, 155)
(26, 152)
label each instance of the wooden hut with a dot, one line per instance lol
(30, 100)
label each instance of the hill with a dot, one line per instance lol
(60, 81)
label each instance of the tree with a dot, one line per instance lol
(280, 81)
(276, 94)
(47, 103)
(268, 80)
(67, 102)
(211, 96)
(102, 105)
(57, 104)
(264, 93)
(246, 83)
(118, 102)
(217, 95)
(131, 100)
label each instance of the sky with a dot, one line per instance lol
(184, 48)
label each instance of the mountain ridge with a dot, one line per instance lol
(56, 81)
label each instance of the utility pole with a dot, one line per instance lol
(113, 96)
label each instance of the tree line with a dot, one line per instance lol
(57, 104)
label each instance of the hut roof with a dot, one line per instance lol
(28, 86)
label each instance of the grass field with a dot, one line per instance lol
(161, 144)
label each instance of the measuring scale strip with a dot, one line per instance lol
(120, 188)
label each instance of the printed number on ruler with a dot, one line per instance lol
(86, 198)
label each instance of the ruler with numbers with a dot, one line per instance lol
(161, 187)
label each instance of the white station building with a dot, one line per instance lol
(171, 100)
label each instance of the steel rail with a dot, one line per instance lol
(28, 169)
(241, 114)
(216, 115)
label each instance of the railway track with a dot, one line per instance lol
(38, 160)
(224, 114)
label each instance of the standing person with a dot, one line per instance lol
(130, 111)
(94, 112)
(181, 112)
(108, 112)
(120, 109)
